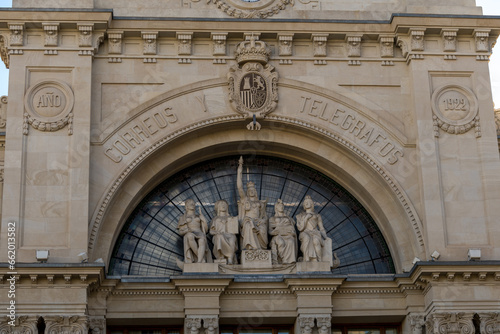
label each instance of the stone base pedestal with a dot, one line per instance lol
(259, 258)
(305, 267)
(201, 268)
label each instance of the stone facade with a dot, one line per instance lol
(390, 99)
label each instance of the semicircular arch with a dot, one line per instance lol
(324, 151)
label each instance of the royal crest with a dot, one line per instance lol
(253, 84)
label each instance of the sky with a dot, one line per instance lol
(490, 7)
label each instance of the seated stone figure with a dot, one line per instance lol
(313, 238)
(284, 241)
(194, 228)
(252, 215)
(225, 242)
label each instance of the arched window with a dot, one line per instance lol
(149, 243)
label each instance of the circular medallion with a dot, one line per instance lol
(49, 105)
(454, 104)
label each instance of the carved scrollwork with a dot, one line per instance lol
(450, 323)
(455, 110)
(18, 325)
(497, 121)
(306, 325)
(259, 10)
(49, 107)
(66, 324)
(490, 323)
(256, 255)
(193, 325)
(211, 324)
(417, 323)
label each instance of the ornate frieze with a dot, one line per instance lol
(455, 110)
(184, 47)
(51, 33)
(449, 39)
(253, 84)
(386, 46)
(49, 107)
(319, 44)
(450, 323)
(85, 34)
(16, 34)
(354, 46)
(482, 40)
(76, 324)
(417, 39)
(3, 111)
(285, 44)
(219, 44)
(115, 42)
(149, 45)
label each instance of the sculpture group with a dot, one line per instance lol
(254, 229)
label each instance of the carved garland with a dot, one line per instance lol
(405, 202)
(49, 107)
(250, 10)
(455, 110)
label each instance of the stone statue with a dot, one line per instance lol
(194, 228)
(251, 214)
(224, 233)
(284, 241)
(312, 233)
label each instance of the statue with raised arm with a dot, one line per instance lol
(224, 228)
(193, 227)
(284, 241)
(251, 214)
(312, 233)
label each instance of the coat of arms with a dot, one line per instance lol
(253, 84)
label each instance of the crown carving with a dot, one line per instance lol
(252, 50)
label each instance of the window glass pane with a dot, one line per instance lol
(256, 331)
(363, 331)
(336, 331)
(391, 331)
(283, 331)
(174, 332)
(150, 245)
(116, 332)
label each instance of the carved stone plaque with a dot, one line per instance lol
(49, 106)
(455, 110)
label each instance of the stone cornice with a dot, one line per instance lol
(64, 274)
